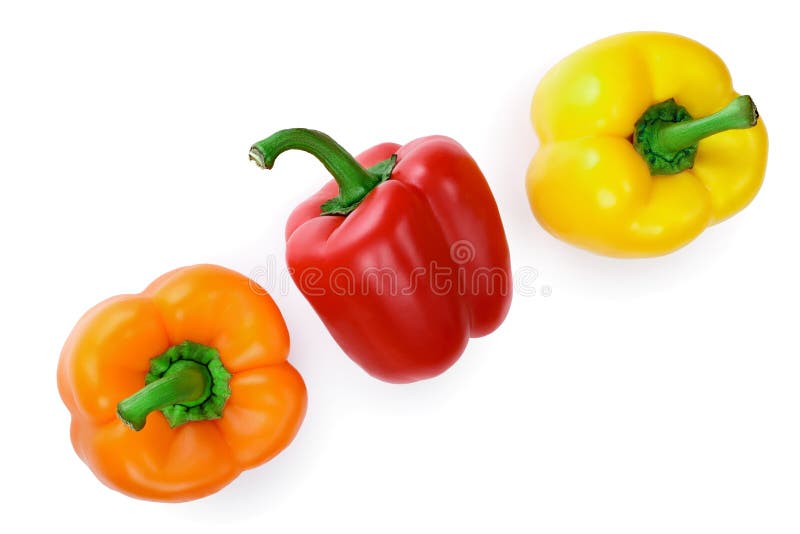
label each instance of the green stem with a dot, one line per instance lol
(666, 135)
(187, 383)
(354, 180)
(741, 113)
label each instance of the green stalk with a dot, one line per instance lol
(187, 383)
(667, 136)
(354, 180)
(741, 113)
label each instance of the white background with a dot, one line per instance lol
(642, 396)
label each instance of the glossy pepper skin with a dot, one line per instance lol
(589, 186)
(416, 268)
(105, 362)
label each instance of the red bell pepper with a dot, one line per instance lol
(403, 255)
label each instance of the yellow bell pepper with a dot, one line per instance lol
(623, 169)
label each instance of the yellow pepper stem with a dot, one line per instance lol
(741, 113)
(666, 135)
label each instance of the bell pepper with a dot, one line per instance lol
(402, 255)
(644, 143)
(176, 390)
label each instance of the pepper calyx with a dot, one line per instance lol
(667, 136)
(340, 206)
(645, 140)
(187, 382)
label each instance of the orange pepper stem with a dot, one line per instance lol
(666, 135)
(187, 382)
(354, 180)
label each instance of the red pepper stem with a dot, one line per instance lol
(354, 180)
(188, 382)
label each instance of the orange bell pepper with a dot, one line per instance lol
(203, 352)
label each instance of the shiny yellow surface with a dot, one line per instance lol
(588, 186)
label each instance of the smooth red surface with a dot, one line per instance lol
(436, 214)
